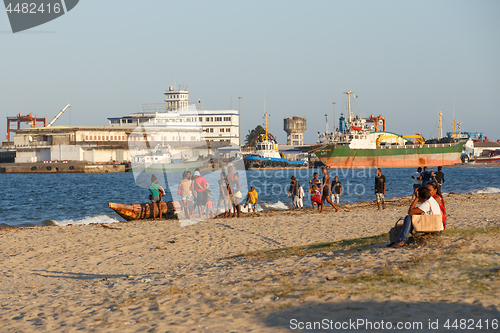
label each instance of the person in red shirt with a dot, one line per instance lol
(201, 187)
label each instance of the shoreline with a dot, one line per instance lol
(395, 201)
(158, 276)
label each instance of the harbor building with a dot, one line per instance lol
(103, 144)
(219, 126)
(294, 128)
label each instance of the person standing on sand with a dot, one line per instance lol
(440, 176)
(417, 181)
(294, 190)
(300, 202)
(380, 188)
(337, 190)
(156, 192)
(200, 185)
(223, 195)
(426, 175)
(237, 195)
(326, 191)
(186, 194)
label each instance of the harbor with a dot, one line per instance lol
(179, 135)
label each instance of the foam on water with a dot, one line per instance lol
(277, 205)
(86, 220)
(487, 190)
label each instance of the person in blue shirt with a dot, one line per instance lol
(426, 176)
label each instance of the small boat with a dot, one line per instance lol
(170, 210)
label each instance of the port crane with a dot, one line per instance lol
(58, 115)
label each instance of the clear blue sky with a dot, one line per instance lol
(406, 60)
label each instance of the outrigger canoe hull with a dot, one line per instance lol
(170, 210)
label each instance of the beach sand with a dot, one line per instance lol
(161, 277)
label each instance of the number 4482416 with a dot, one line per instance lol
(471, 324)
(33, 8)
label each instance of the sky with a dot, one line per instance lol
(406, 60)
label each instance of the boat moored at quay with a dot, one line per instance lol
(358, 143)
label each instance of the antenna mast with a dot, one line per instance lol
(266, 116)
(440, 126)
(326, 117)
(349, 114)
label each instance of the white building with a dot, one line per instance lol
(218, 125)
(71, 143)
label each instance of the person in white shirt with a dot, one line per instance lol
(417, 181)
(300, 200)
(428, 206)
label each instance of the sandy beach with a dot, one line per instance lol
(259, 273)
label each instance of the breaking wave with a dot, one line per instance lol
(84, 221)
(487, 190)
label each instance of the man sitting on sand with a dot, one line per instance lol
(428, 206)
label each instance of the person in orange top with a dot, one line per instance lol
(252, 197)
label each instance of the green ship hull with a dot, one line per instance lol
(342, 156)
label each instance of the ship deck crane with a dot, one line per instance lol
(58, 115)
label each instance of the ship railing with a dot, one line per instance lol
(432, 145)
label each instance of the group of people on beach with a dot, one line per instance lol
(325, 190)
(194, 192)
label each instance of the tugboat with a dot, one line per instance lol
(267, 154)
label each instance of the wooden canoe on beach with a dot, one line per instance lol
(170, 210)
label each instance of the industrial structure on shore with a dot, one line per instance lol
(177, 123)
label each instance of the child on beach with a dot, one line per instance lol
(316, 196)
(252, 197)
(210, 209)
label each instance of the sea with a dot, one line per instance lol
(61, 199)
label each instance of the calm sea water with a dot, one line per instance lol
(61, 199)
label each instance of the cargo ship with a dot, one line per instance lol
(358, 143)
